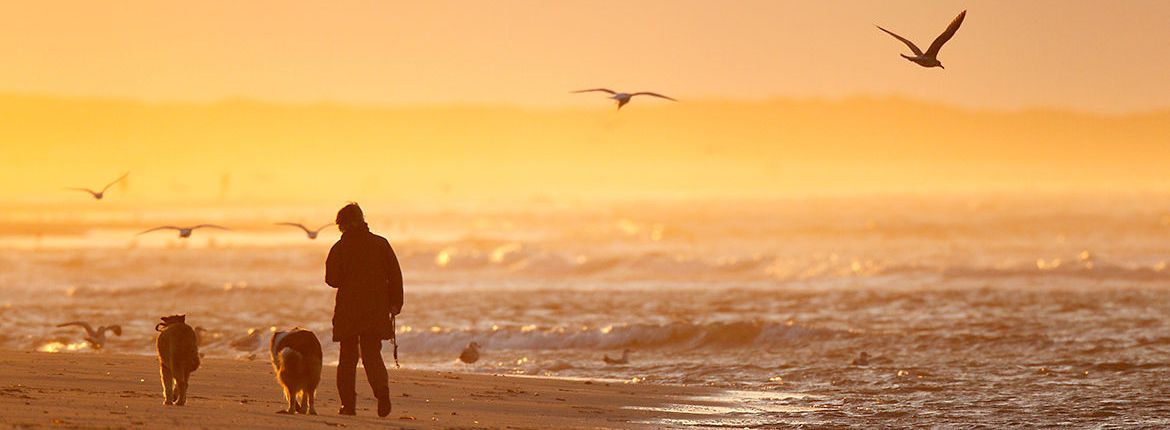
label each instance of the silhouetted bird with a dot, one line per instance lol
(864, 359)
(861, 360)
(250, 342)
(97, 338)
(184, 232)
(470, 354)
(312, 233)
(623, 98)
(930, 57)
(623, 360)
(97, 195)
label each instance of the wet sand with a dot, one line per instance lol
(100, 390)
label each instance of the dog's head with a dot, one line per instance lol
(175, 319)
(170, 320)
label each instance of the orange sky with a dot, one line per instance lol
(1088, 56)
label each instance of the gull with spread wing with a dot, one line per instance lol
(311, 233)
(623, 98)
(184, 232)
(97, 338)
(97, 195)
(930, 57)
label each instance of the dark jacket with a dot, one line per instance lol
(364, 270)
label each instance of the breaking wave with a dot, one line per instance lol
(681, 335)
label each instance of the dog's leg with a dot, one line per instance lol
(304, 398)
(311, 399)
(182, 376)
(168, 382)
(301, 401)
(292, 400)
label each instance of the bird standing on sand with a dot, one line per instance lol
(625, 359)
(250, 342)
(97, 338)
(470, 354)
(864, 359)
(930, 57)
(312, 233)
(861, 360)
(184, 232)
(623, 98)
(97, 195)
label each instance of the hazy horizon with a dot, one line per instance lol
(257, 151)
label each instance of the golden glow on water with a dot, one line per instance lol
(63, 347)
(443, 258)
(501, 253)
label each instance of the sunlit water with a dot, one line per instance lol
(996, 311)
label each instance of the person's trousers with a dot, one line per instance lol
(369, 349)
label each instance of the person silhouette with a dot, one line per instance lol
(364, 270)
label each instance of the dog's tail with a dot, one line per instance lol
(293, 363)
(194, 358)
(189, 347)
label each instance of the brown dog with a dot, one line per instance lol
(296, 357)
(178, 356)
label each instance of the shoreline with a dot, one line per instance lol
(122, 391)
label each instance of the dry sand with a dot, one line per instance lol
(100, 390)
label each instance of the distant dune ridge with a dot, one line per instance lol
(704, 148)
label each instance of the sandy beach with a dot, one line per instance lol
(573, 214)
(46, 390)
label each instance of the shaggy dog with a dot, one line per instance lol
(178, 356)
(296, 357)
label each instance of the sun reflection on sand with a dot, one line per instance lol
(443, 258)
(61, 346)
(501, 253)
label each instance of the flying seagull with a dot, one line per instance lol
(184, 232)
(623, 98)
(312, 233)
(930, 57)
(97, 338)
(97, 195)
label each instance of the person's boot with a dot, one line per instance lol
(384, 403)
(346, 410)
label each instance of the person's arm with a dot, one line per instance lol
(333, 270)
(394, 272)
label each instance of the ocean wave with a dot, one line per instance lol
(684, 335)
(527, 260)
(1048, 269)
